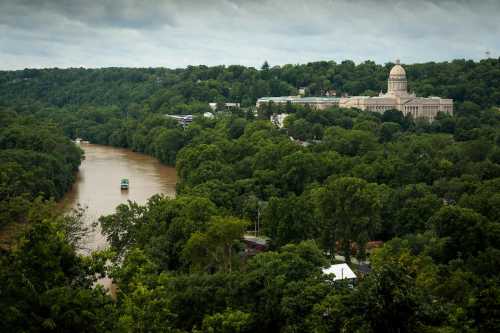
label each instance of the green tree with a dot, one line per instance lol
(351, 213)
(290, 220)
(463, 229)
(388, 131)
(228, 321)
(215, 248)
(46, 286)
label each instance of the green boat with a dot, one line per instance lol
(124, 184)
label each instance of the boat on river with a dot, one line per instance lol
(80, 140)
(124, 184)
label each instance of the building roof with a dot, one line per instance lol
(398, 71)
(180, 117)
(297, 99)
(364, 268)
(256, 240)
(341, 272)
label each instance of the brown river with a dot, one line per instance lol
(97, 186)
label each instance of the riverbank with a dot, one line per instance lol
(97, 187)
(37, 163)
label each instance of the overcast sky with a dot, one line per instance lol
(171, 33)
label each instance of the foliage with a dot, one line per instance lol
(36, 160)
(351, 210)
(46, 286)
(214, 249)
(328, 183)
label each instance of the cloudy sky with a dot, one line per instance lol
(177, 33)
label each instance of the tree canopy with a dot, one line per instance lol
(326, 184)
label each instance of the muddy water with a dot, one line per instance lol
(98, 184)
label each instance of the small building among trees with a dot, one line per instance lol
(254, 245)
(341, 272)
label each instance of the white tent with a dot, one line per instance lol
(341, 272)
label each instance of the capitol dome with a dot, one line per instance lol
(397, 84)
(397, 70)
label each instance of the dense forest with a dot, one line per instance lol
(189, 89)
(329, 182)
(36, 162)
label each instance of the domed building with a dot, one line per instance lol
(397, 97)
(397, 83)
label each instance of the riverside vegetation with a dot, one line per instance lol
(430, 191)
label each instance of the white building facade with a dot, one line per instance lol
(319, 103)
(397, 97)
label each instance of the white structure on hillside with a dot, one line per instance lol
(340, 272)
(183, 120)
(319, 103)
(397, 97)
(279, 119)
(214, 106)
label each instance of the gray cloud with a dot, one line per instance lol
(133, 14)
(64, 33)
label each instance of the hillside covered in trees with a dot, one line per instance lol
(36, 161)
(429, 191)
(189, 89)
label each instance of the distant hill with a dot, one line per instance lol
(164, 89)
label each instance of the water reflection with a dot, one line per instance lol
(98, 183)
